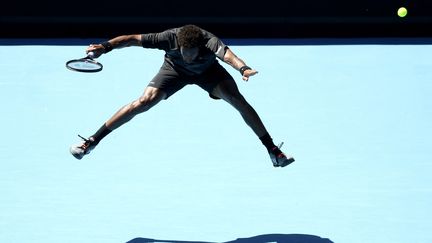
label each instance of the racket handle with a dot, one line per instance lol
(91, 54)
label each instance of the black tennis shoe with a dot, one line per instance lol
(278, 158)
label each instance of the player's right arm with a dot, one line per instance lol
(237, 63)
(115, 43)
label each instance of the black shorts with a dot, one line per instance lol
(171, 81)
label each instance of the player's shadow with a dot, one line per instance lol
(273, 238)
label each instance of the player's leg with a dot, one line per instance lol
(163, 85)
(228, 91)
(220, 84)
(150, 98)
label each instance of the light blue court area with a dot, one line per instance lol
(357, 118)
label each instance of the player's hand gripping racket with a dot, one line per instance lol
(86, 64)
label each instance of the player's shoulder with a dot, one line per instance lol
(207, 34)
(169, 33)
(165, 39)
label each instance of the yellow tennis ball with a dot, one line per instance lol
(402, 12)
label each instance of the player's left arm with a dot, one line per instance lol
(237, 63)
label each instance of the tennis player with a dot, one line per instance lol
(191, 55)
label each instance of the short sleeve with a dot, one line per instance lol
(163, 40)
(217, 47)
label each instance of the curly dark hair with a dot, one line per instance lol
(190, 36)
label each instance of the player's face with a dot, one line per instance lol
(189, 54)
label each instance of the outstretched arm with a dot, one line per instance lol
(115, 43)
(239, 64)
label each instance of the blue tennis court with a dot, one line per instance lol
(357, 116)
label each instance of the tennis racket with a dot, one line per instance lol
(86, 64)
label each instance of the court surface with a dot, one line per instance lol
(357, 118)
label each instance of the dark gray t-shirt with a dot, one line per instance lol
(167, 41)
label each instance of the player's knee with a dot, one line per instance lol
(146, 101)
(142, 104)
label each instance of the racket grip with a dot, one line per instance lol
(91, 54)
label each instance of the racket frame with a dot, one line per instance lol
(85, 60)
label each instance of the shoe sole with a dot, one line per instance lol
(287, 162)
(77, 156)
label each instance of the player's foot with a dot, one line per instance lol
(278, 158)
(79, 150)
